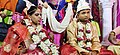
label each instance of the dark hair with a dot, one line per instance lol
(32, 10)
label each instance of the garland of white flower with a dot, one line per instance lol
(45, 45)
(82, 35)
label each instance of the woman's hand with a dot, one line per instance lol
(45, 4)
(112, 38)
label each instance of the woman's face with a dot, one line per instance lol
(84, 15)
(35, 17)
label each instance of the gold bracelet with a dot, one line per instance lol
(112, 33)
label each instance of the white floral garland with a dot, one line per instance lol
(45, 45)
(83, 35)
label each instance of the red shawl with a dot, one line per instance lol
(16, 34)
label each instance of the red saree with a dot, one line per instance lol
(104, 51)
(67, 50)
(16, 34)
(36, 51)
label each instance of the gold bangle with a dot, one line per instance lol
(112, 33)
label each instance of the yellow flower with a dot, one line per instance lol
(68, 0)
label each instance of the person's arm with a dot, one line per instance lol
(71, 36)
(95, 40)
(112, 36)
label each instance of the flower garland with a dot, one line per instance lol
(39, 37)
(84, 35)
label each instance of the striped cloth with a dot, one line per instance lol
(8, 18)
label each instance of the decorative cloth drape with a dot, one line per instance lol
(53, 23)
(16, 34)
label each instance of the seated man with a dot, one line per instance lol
(81, 33)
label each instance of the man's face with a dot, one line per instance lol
(84, 15)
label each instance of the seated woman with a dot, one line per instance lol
(115, 43)
(38, 36)
(32, 37)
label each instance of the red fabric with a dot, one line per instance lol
(104, 51)
(21, 32)
(95, 9)
(45, 31)
(37, 51)
(66, 49)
